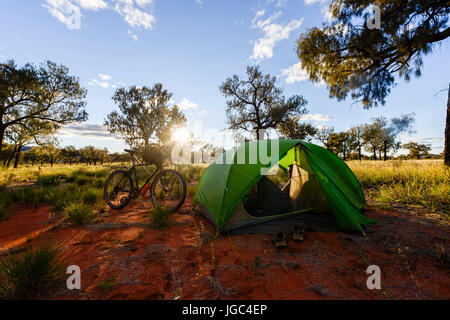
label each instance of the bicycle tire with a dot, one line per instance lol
(123, 201)
(183, 189)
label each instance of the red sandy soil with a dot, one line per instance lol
(147, 263)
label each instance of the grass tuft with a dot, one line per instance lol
(82, 180)
(159, 218)
(78, 213)
(108, 285)
(32, 273)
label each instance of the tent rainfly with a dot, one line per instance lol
(323, 194)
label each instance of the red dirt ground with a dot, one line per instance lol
(186, 261)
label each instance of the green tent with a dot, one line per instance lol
(323, 193)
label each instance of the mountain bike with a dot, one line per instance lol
(167, 187)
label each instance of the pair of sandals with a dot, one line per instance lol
(279, 238)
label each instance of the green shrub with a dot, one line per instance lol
(159, 218)
(91, 195)
(99, 183)
(191, 190)
(49, 181)
(31, 273)
(89, 173)
(5, 204)
(82, 180)
(70, 193)
(101, 173)
(27, 195)
(108, 285)
(47, 195)
(78, 213)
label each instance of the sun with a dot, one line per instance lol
(181, 135)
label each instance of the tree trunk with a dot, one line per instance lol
(2, 135)
(385, 154)
(16, 160)
(11, 156)
(447, 133)
(359, 153)
(374, 153)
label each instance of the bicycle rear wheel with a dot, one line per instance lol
(118, 189)
(168, 190)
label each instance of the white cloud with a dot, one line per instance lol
(144, 3)
(185, 104)
(92, 4)
(200, 112)
(135, 17)
(273, 33)
(95, 82)
(316, 117)
(102, 80)
(69, 12)
(310, 2)
(199, 1)
(104, 77)
(132, 35)
(279, 3)
(65, 12)
(295, 73)
(87, 131)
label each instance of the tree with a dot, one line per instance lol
(416, 150)
(257, 103)
(33, 155)
(144, 115)
(46, 93)
(50, 149)
(69, 154)
(356, 138)
(341, 144)
(26, 132)
(353, 59)
(292, 128)
(324, 135)
(89, 155)
(372, 138)
(390, 129)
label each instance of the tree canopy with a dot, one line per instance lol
(256, 103)
(44, 94)
(353, 59)
(145, 115)
(416, 150)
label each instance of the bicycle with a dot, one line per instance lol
(168, 188)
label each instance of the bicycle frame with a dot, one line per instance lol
(133, 172)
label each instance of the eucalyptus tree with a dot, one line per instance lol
(256, 103)
(364, 60)
(44, 94)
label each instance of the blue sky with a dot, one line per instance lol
(191, 46)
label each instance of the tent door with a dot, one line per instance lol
(304, 190)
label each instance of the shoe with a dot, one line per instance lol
(279, 240)
(298, 233)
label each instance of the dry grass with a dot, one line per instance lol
(423, 183)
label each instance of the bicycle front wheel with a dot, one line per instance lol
(118, 188)
(168, 190)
